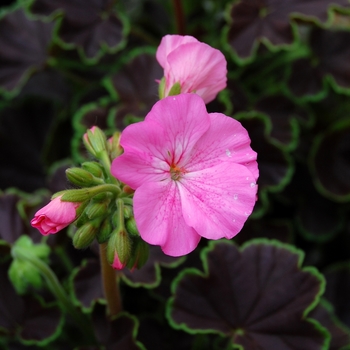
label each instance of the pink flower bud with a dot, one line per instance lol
(55, 216)
(117, 264)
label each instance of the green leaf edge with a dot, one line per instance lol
(259, 241)
(341, 124)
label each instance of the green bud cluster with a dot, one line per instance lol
(105, 211)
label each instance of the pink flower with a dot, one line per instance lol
(196, 66)
(194, 174)
(55, 216)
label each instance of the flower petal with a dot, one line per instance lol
(225, 140)
(198, 68)
(144, 156)
(169, 43)
(217, 201)
(159, 218)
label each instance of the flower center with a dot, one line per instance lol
(176, 172)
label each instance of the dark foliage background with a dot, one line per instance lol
(66, 65)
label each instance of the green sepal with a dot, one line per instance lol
(130, 225)
(139, 255)
(95, 142)
(161, 88)
(86, 234)
(175, 89)
(82, 178)
(94, 168)
(96, 209)
(105, 231)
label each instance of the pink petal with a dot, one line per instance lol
(199, 68)
(169, 43)
(217, 201)
(225, 140)
(144, 155)
(159, 218)
(169, 131)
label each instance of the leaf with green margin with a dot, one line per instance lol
(258, 294)
(329, 161)
(328, 62)
(24, 45)
(275, 165)
(93, 26)
(284, 119)
(135, 84)
(338, 290)
(340, 334)
(251, 22)
(26, 317)
(116, 333)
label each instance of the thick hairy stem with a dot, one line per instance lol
(110, 284)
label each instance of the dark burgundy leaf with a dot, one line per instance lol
(274, 165)
(331, 161)
(340, 336)
(89, 24)
(12, 226)
(149, 274)
(87, 283)
(118, 333)
(25, 316)
(271, 229)
(23, 47)
(258, 296)
(305, 79)
(136, 86)
(338, 290)
(254, 20)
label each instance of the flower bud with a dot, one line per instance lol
(131, 226)
(140, 254)
(128, 212)
(95, 141)
(85, 234)
(105, 231)
(120, 244)
(82, 178)
(96, 209)
(115, 150)
(94, 168)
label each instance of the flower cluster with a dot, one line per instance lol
(179, 175)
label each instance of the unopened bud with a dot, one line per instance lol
(93, 167)
(105, 231)
(140, 254)
(120, 244)
(82, 178)
(96, 209)
(95, 141)
(127, 189)
(115, 150)
(85, 234)
(130, 225)
(128, 212)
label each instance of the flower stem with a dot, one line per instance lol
(110, 284)
(179, 17)
(57, 290)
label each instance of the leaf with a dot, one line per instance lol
(91, 25)
(149, 276)
(26, 317)
(258, 296)
(24, 47)
(118, 333)
(253, 21)
(330, 161)
(330, 57)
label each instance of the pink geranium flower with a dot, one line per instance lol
(55, 216)
(194, 174)
(196, 66)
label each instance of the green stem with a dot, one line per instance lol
(57, 290)
(110, 284)
(179, 17)
(104, 157)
